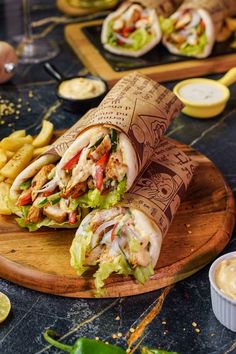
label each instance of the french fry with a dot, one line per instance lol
(4, 191)
(14, 144)
(231, 23)
(224, 34)
(45, 135)
(39, 151)
(18, 134)
(3, 158)
(9, 154)
(18, 162)
(9, 181)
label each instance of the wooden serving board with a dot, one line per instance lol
(70, 10)
(201, 229)
(180, 67)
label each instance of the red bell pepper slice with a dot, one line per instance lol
(127, 30)
(73, 217)
(25, 199)
(100, 166)
(113, 232)
(72, 162)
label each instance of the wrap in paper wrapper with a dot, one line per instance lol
(127, 238)
(138, 108)
(163, 8)
(211, 15)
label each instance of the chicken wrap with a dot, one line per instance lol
(132, 30)
(193, 28)
(127, 238)
(97, 160)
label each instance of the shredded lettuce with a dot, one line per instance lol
(79, 247)
(117, 265)
(142, 274)
(94, 198)
(140, 38)
(167, 25)
(45, 222)
(191, 50)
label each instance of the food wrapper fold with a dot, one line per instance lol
(160, 188)
(137, 106)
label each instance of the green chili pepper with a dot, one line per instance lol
(114, 139)
(146, 350)
(42, 203)
(83, 345)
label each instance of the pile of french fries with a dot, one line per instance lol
(228, 30)
(16, 152)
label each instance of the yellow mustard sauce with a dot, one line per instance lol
(225, 277)
(81, 88)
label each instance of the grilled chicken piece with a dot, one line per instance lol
(116, 169)
(183, 20)
(102, 148)
(177, 38)
(93, 256)
(55, 213)
(35, 214)
(76, 191)
(40, 179)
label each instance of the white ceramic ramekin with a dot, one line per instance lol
(223, 306)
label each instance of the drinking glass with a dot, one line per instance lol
(30, 50)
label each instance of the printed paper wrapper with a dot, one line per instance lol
(136, 105)
(163, 8)
(218, 9)
(159, 190)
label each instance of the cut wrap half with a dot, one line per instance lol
(132, 30)
(189, 32)
(119, 240)
(95, 171)
(196, 25)
(36, 198)
(127, 239)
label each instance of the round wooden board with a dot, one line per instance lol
(201, 229)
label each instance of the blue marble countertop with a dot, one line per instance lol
(187, 302)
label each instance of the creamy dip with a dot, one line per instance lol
(201, 92)
(81, 88)
(225, 277)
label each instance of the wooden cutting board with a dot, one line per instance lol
(201, 229)
(92, 56)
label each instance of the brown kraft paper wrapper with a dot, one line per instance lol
(163, 7)
(136, 105)
(217, 9)
(159, 190)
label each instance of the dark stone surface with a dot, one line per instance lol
(188, 301)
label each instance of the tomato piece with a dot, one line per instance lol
(72, 162)
(100, 166)
(25, 199)
(113, 232)
(73, 217)
(127, 30)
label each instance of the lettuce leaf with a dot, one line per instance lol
(79, 247)
(167, 25)
(191, 50)
(45, 222)
(142, 274)
(94, 198)
(140, 38)
(117, 265)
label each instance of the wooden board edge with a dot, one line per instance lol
(166, 72)
(127, 286)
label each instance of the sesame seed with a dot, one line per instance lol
(128, 350)
(189, 232)
(106, 342)
(163, 322)
(197, 330)
(132, 330)
(114, 336)
(119, 334)
(194, 324)
(97, 338)
(117, 318)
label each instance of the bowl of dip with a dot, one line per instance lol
(205, 98)
(80, 93)
(222, 276)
